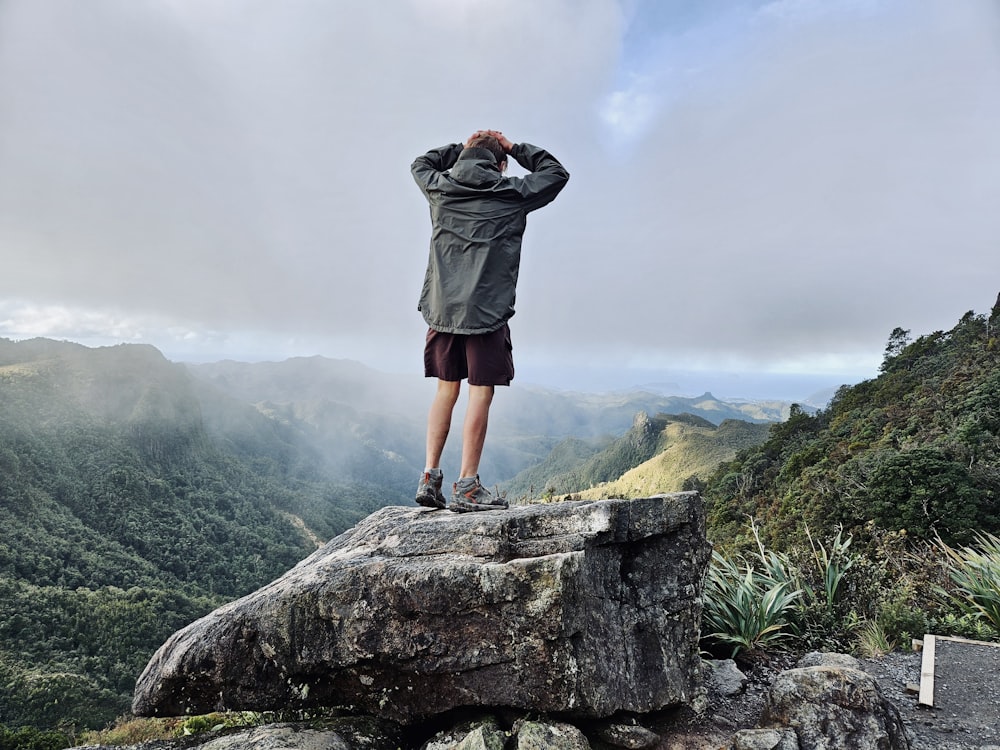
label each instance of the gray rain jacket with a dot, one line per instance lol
(478, 217)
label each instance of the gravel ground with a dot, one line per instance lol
(966, 711)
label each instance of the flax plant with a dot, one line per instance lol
(832, 565)
(745, 609)
(976, 575)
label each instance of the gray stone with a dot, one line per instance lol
(483, 734)
(482, 738)
(725, 678)
(545, 735)
(629, 736)
(766, 739)
(834, 707)
(276, 737)
(366, 735)
(579, 608)
(828, 659)
(479, 739)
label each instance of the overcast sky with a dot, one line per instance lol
(757, 187)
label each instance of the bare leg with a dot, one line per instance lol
(474, 429)
(439, 420)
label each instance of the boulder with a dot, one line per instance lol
(525, 734)
(828, 659)
(479, 734)
(579, 608)
(766, 739)
(548, 735)
(725, 678)
(830, 705)
(345, 733)
(630, 736)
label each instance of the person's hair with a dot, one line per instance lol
(492, 145)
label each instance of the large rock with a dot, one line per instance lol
(580, 608)
(829, 703)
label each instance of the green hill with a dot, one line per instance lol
(657, 454)
(915, 450)
(351, 414)
(132, 500)
(687, 453)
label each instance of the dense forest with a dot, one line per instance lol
(128, 512)
(914, 451)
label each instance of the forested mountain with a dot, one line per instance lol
(127, 510)
(346, 410)
(916, 449)
(136, 494)
(658, 454)
(687, 452)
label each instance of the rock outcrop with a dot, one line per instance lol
(583, 609)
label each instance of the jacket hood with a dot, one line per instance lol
(476, 167)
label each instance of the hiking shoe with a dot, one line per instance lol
(468, 494)
(429, 490)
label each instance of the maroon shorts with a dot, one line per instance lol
(485, 359)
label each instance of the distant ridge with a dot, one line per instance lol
(665, 453)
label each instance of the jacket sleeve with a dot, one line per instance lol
(547, 176)
(428, 168)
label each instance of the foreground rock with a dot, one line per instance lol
(584, 609)
(827, 701)
(344, 734)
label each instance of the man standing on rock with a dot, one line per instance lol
(478, 216)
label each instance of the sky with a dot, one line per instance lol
(760, 191)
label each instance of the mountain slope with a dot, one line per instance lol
(656, 455)
(117, 503)
(368, 423)
(687, 453)
(915, 450)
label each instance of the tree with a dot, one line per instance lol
(899, 339)
(926, 493)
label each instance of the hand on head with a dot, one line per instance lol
(505, 142)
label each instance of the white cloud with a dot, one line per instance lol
(27, 320)
(755, 183)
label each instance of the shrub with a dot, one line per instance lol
(133, 731)
(30, 738)
(777, 596)
(873, 641)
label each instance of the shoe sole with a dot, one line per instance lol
(429, 501)
(461, 506)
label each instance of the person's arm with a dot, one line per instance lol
(547, 177)
(427, 168)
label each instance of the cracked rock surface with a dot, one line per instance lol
(584, 609)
